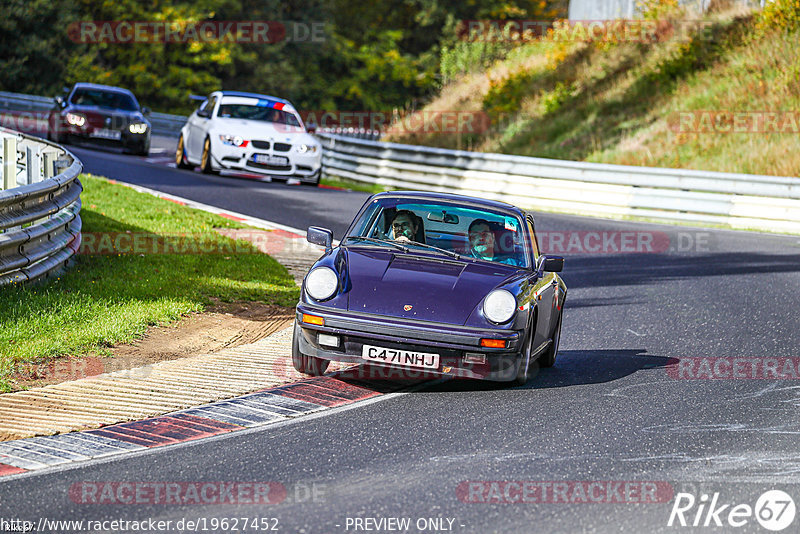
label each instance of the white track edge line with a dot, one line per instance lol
(253, 221)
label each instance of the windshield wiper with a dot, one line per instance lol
(379, 241)
(450, 253)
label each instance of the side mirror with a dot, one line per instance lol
(553, 264)
(320, 236)
(145, 111)
(203, 113)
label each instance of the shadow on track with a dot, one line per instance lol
(639, 269)
(573, 368)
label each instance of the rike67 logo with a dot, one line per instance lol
(774, 510)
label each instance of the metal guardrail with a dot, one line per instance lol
(769, 203)
(40, 225)
(32, 112)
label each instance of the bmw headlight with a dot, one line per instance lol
(499, 306)
(75, 119)
(310, 149)
(233, 140)
(321, 283)
(138, 128)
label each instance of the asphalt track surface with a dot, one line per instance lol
(614, 407)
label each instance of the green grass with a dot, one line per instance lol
(354, 185)
(110, 298)
(617, 102)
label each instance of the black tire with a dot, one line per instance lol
(180, 159)
(145, 148)
(548, 359)
(205, 160)
(308, 365)
(315, 183)
(523, 374)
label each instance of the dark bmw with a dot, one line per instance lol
(100, 114)
(435, 283)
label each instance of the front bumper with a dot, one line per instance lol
(451, 342)
(89, 134)
(304, 167)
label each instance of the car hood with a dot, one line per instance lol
(263, 130)
(435, 288)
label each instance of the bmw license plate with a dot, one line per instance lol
(407, 358)
(269, 159)
(103, 133)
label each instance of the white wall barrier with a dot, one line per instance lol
(770, 203)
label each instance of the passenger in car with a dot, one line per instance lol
(483, 245)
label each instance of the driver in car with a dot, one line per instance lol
(404, 226)
(482, 243)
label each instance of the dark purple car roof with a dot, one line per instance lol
(496, 204)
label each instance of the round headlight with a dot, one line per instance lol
(499, 306)
(238, 140)
(321, 283)
(302, 149)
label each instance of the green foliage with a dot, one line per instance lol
(380, 55)
(780, 15)
(33, 50)
(465, 56)
(553, 100)
(505, 96)
(658, 9)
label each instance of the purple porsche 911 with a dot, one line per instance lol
(434, 282)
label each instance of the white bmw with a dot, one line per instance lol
(247, 132)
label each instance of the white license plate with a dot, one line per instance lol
(106, 134)
(270, 160)
(407, 358)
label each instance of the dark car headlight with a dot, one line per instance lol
(75, 119)
(321, 283)
(499, 306)
(138, 128)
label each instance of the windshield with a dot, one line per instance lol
(257, 113)
(454, 229)
(104, 99)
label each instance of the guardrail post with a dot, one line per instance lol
(9, 162)
(49, 170)
(49, 167)
(31, 164)
(60, 165)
